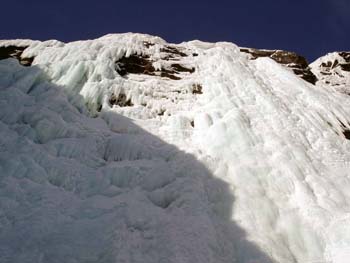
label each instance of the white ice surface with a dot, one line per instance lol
(263, 176)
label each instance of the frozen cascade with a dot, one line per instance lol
(130, 149)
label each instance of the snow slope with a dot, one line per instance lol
(130, 149)
(333, 70)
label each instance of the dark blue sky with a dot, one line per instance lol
(309, 27)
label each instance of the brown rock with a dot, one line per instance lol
(15, 52)
(297, 63)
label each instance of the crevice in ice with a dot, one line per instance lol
(148, 44)
(121, 100)
(165, 73)
(197, 89)
(173, 52)
(345, 129)
(161, 112)
(346, 133)
(179, 68)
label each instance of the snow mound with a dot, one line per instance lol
(130, 149)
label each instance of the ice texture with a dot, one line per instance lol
(236, 160)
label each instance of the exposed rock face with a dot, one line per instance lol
(197, 89)
(331, 64)
(346, 57)
(290, 59)
(334, 70)
(15, 52)
(173, 52)
(136, 64)
(142, 64)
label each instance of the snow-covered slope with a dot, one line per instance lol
(130, 149)
(333, 70)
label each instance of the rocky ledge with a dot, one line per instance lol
(297, 63)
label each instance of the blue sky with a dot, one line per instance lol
(310, 27)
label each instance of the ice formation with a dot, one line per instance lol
(334, 70)
(130, 149)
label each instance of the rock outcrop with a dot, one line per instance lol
(297, 63)
(15, 52)
(333, 70)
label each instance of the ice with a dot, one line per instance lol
(329, 70)
(254, 168)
